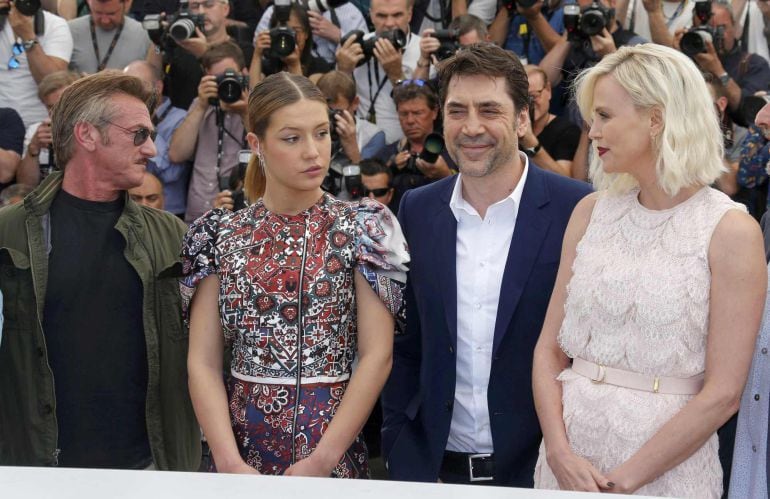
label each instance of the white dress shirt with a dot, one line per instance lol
(482, 250)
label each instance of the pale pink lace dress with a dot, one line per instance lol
(638, 300)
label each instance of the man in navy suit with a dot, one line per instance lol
(485, 246)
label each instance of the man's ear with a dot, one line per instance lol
(87, 135)
(354, 105)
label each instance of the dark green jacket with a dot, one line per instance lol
(28, 428)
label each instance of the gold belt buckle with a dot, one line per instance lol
(599, 374)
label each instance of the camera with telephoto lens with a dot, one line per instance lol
(396, 37)
(694, 41)
(449, 43)
(587, 22)
(283, 39)
(26, 7)
(230, 86)
(179, 26)
(511, 5)
(431, 150)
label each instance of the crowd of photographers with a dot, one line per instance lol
(374, 60)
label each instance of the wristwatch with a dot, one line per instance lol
(28, 44)
(724, 78)
(531, 151)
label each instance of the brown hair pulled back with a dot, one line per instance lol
(268, 96)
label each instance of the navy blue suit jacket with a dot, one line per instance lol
(418, 397)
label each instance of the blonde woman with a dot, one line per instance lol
(659, 293)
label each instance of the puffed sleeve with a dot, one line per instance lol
(199, 258)
(382, 255)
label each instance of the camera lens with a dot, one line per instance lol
(230, 90)
(434, 144)
(396, 37)
(182, 29)
(282, 41)
(694, 42)
(592, 22)
(27, 7)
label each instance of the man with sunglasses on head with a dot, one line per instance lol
(108, 39)
(27, 55)
(93, 361)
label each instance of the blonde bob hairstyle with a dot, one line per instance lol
(689, 147)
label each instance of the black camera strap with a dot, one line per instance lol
(372, 114)
(221, 131)
(103, 63)
(335, 19)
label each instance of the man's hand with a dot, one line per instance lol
(195, 45)
(532, 12)
(239, 107)
(262, 43)
(401, 159)
(23, 26)
(346, 128)
(349, 55)
(207, 89)
(41, 139)
(293, 62)
(709, 61)
(224, 200)
(389, 58)
(433, 171)
(428, 45)
(652, 6)
(528, 138)
(323, 27)
(603, 43)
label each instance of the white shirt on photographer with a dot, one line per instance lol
(18, 89)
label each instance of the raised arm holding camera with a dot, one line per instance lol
(378, 60)
(34, 43)
(212, 133)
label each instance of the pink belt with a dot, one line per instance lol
(636, 381)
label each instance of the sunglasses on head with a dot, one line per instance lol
(376, 192)
(418, 82)
(13, 62)
(141, 134)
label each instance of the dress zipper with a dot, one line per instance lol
(299, 347)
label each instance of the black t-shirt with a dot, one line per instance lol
(560, 138)
(94, 334)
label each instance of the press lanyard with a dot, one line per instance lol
(158, 118)
(372, 115)
(677, 12)
(103, 63)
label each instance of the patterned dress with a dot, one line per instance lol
(288, 310)
(638, 300)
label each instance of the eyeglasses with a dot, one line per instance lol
(13, 62)
(377, 192)
(141, 134)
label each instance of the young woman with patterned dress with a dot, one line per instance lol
(299, 285)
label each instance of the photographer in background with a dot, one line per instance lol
(583, 44)
(181, 56)
(38, 161)
(549, 140)
(435, 45)
(108, 39)
(739, 72)
(166, 118)
(530, 29)
(418, 108)
(375, 76)
(359, 139)
(377, 179)
(33, 44)
(273, 51)
(149, 193)
(213, 132)
(336, 19)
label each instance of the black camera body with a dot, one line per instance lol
(230, 87)
(180, 26)
(587, 22)
(450, 44)
(396, 37)
(432, 148)
(511, 5)
(26, 7)
(333, 133)
(344, 182)
(234, 182)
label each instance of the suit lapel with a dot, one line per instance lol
(445, 239)
(528, 236)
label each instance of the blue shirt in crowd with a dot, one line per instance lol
(534, 51)
(173, 175)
